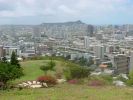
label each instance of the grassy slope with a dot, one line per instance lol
(70, 92)
(63, 91)
(32, 69)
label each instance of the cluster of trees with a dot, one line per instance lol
(9, 70)
(74, 71)
(84, 62)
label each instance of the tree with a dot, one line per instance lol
(110, 65)
(49, 66)
(82, 61)
(74, 71)
(44, 68)
(14, 60)
(9, 72)
(4, 59)
(91, 62)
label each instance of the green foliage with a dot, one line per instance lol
(49, 66)
(44, 68)
(70, 92)
(130, 81)
(82, 61)
(67, 74)
(14, 60)
(106, 79)
(47, 58)
(110, 65)
(58, 75)
(4, 59)
(96, 83)
(91, 62)
(121, 78)
(9, 72)
(75, 71)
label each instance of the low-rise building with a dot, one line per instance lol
(9, 49)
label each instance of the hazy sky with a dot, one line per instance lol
(88, 11)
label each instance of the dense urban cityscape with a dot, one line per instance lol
(66, 50)
(105, 44)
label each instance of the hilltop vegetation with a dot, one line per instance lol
(66, 91)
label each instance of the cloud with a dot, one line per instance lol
(63, 10)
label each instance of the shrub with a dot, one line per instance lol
(37, 58)
(9, 72)
(44, 68)
(14, 60)
(2, 85)
(75, 72)
(96, 83)
(106, 79)
(58, 75)
(49, 66)
(73, 81)
(130, 81)
(47, 79)
(121, 78)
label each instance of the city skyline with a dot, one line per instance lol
(88, 11)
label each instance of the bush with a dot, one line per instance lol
(9, 72)
(96, 83)
(49, 66)
(37, 58)
(47, 79)
(14, 60)
(76, 81)
(130, 81)
(58, 75)
(73, 81)
(121, 78)
(75, 72)
(106, 79)
(45, 69)
(2, 85)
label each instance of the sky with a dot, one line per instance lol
(88, 11)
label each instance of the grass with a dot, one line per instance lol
(69, 92)
(62, 91)
(32, 69)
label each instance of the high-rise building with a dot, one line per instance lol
(131, 62)
(86, 42)
(99, 51)
(121, 63)
(90, 30)
(1, 51)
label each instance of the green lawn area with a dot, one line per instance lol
(62, 91)
(32, 69)
(69, 92)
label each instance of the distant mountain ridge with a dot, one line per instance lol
(61, 30)
(69, 22)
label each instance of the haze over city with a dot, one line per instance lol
(66, 49)
(88, 11)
